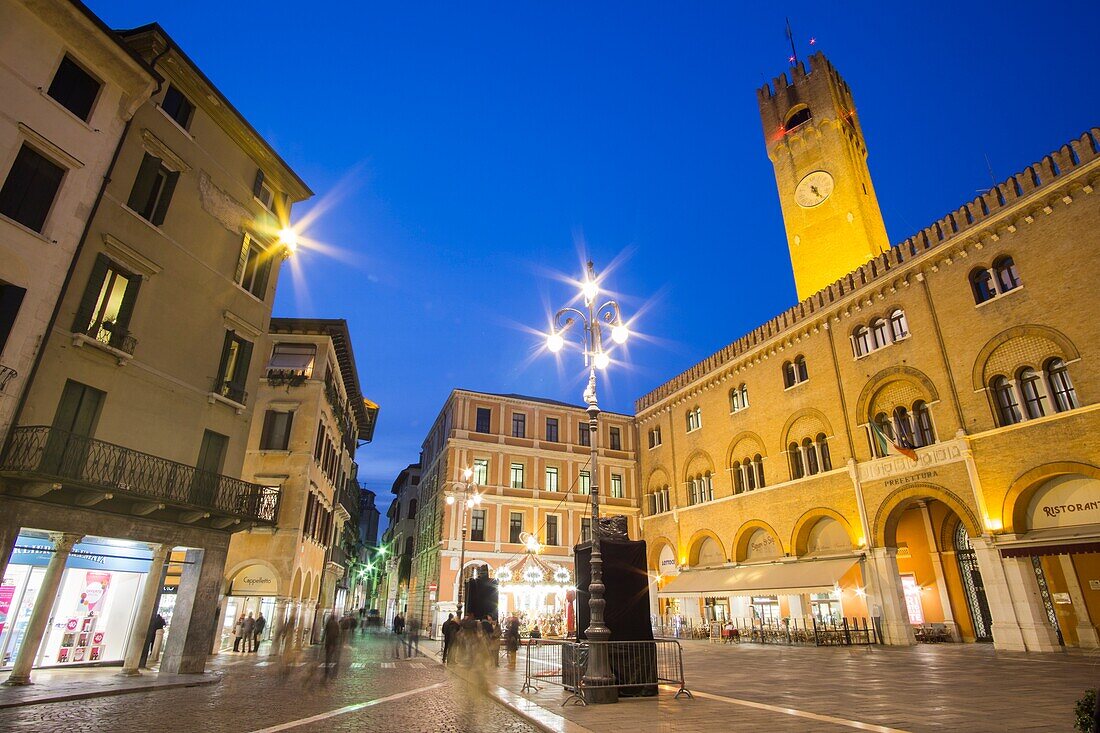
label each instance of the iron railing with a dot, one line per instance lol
(112, 335)
(6, 375)
(831, 631)
(231, 391)
(56, 455)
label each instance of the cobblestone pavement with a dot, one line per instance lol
(956, 688)
(258, 693)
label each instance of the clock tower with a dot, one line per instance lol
(817, 148)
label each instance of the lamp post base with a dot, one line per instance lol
(598, 690)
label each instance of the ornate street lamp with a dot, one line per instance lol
(598, 678)
(465, 492)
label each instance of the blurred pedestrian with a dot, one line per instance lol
(398, 624)
(511, 640)
(248, 626)
(536, 633)
(258, 631)
(450, 629)
(412, 636)
(492, 643)
(332, 646)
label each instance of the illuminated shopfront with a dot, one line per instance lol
(252, 590)
(95, 605)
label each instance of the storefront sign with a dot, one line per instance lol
(255, 580)
(84, 556)
(1066, 501)
(1061, 599)
(934, 455)
(911, 479)
(667, 562)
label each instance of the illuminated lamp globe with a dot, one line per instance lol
(450, 499)
(289, 238)
(590, 290)
(602, 360)
(468, 474)
(619, 334)
(555, 342)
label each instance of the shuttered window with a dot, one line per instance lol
(276, 431)
(253, 267)
(30, 188)
(153, 188)
(233, 370)
(74, 88)
(108, 304)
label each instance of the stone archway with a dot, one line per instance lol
(809, 524)
(922, 586)
(701, 552)
(1017, 500)
(752, 540)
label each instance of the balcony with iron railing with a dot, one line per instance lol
(231, 391)
(61, 467)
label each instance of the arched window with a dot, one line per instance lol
(739, 398)
(809, 455)
(823, 452)
(923, 419)
(694, 419)
(903, 426)
(789, 374)
(1065, 398)
(899, 327)
(800, 367)
(738, 478)
(758, 464)
(750, 474)
(412, 508)
(1004, 397)
(795, 457)
(1007, 276)
(708, 487)
(981, 282)
(800, 117)
(1032, 391)
(861, 341)
(878, 333)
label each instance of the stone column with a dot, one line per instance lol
(149, 594)
(1087, 637)
(885, 597)
(9, 532)
(43, 605)
(278, 622)
(1006, 629)
(1031, 613)
(937, 570)
(195, 620)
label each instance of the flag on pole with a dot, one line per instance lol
(885, 443)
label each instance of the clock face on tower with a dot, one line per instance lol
(813, 189)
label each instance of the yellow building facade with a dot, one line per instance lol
(530, 460)
(914, 442)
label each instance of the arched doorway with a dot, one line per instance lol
(942, 597)
(972, 585)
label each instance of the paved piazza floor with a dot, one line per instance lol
(738, 688)
(941, 687)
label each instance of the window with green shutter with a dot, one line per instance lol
(233, 369)
(153, 188)
(107, 306)
(276, 430)
(30, 188)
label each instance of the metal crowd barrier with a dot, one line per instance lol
(638, 667)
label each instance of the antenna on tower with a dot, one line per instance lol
(790, 37)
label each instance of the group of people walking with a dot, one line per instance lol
(248, 632)
(474, 642)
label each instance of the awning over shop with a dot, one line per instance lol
(780, 579)
(1052, 541)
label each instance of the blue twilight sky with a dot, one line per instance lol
(463, 153)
